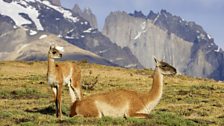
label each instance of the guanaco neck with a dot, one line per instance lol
(157, 85)
(51, 66)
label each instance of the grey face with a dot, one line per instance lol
(54, 53)
(165, 68)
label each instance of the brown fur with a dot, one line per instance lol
(124, 103)
(62, 73)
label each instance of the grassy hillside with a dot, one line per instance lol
(26, 99)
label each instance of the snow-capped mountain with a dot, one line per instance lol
(184, 44)
(37, 16)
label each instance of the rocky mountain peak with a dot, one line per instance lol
(76, 9)
(56, 2)
(86, 14)
(188, 30)
(138, 14)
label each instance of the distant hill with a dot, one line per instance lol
(37, 50)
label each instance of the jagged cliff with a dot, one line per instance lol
(183, 44)
(86, 14)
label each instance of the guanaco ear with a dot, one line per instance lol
(156, 61)
(52, 45)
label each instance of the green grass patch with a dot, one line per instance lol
(26, 99)
(22, 93)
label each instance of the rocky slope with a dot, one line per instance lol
(184, 44)
(36, 48)
(36, 16)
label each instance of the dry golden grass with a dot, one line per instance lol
(26, 99)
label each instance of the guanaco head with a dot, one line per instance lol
(164, 67)
(55, 52)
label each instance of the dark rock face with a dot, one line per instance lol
(184, 44)
(6, 24)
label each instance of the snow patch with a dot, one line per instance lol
(88, 30)
(18, 7)
(42, 36)
(157, 17)
(143, 25)
(69, 37)
(139, 34)
(70, 31)
(218, 50)
(33, 32)
(59, 36)
(201, 36)
(209, 37)
(103, 51)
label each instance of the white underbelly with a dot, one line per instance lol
(112, 111)
(148, 108)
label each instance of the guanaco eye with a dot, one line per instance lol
(164, 65)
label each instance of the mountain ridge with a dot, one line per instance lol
(193, 54)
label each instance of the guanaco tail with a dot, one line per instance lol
(60, 74)
(124, 103)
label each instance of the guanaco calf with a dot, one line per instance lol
(124, 103)
(61, 74)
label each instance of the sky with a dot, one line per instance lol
(207, 13)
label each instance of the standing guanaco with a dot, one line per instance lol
(59, 74)
(124, 103)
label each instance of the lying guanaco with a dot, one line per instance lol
(59, 74)
(124, 103)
